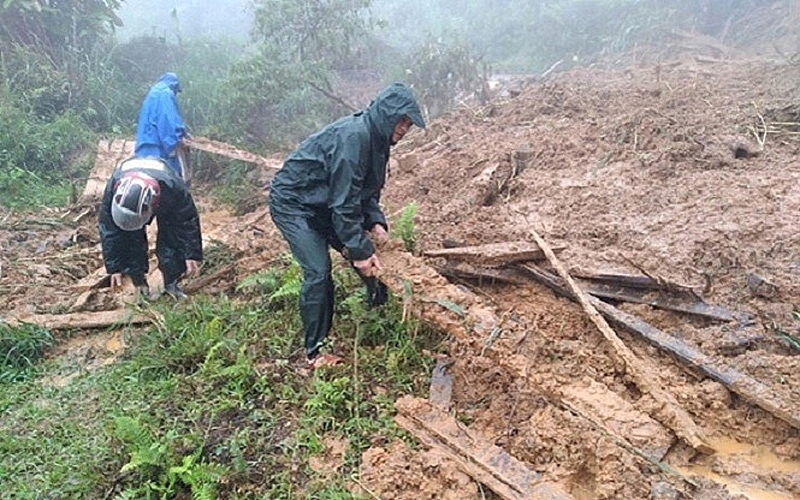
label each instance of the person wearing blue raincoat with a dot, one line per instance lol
(160, 128)
(327, 194)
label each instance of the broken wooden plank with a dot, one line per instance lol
(225, 149)
(750, 389)
(670, 413)
(490, 465)
(462, 270)
(622, 441)
(623, 280)
(441, 387)
(619, 418)
(768, 398)
(492, 254)
(82, 320)
(452, 309)
(658, 298)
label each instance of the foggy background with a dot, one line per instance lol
(507, 34)
(263, 74)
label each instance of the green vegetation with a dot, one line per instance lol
(68, 80)
(791, 341)
(405, 228)
(212, 402)
(20, 348)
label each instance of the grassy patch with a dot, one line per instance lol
(212, 403)
(20, 348)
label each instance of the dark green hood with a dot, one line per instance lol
(394, 102)
(333, 180)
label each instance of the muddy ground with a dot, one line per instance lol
(686, 171)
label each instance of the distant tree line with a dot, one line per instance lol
(67, 78)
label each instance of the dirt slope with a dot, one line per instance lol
(662, 169)
(665, 170)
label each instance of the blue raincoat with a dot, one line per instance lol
(160, 126)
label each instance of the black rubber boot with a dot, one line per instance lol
(174, 291)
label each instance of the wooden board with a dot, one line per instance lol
(658, 298)
(493, 254)
(508, 477)
(769, 398)
(83, 320)
(618, 416)
(228, 151)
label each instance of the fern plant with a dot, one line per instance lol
(152, 457)
(278, 285)
(202, 479)
(405, 228)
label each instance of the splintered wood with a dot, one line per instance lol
(772, 398)
(509, 478)
(640, 370)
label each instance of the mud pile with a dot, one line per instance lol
(685, 172)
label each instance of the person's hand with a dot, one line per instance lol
(115, 281)
(379, 235)
(192, 267)
(369, 267)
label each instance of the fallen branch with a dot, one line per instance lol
(335, 98)
(203, 281)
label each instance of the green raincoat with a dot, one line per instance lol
(328, 194)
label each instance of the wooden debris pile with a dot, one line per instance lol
(519, 262)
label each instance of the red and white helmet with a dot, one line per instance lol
(136, 198)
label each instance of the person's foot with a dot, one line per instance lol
(174, 291)
(143, 294)
(324, 360)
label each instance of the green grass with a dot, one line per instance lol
(210, 403)
(20, 348)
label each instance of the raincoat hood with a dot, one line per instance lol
(394, 102)
(171, 81)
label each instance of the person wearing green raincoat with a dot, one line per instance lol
(327, 194)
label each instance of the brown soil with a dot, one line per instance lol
(664, 170)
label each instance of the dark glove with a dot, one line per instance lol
(377, 293)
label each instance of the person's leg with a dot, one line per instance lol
(171, 261)
(138, 264)
(310, 250)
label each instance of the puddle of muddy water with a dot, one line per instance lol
(763, 462)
